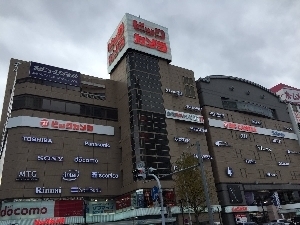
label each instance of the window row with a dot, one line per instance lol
(53, 105)
(47, 83)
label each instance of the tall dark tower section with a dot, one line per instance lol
(147, 113)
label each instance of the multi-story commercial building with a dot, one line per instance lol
(72, 140)
(255, 148)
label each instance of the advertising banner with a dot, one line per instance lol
(54, 74)
(66, 208)
(101, 207)
(27, 210)
(28, 121)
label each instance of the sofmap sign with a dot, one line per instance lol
(28, 121)
(138, 34)
(184, 116)
(250, 129)
(27, 210)
(54, 74)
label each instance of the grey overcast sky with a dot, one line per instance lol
(254, 39)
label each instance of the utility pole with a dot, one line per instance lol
(150, 170)
(204, 181)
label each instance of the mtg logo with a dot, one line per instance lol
(70, 175)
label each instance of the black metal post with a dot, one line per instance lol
(181, 207)
(84, 211)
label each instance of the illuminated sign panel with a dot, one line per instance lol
(138, 34)
(250, 129)
(184, 116)
(28, 121)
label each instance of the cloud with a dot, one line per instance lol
(255, 40)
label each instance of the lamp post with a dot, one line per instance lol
(150, 170)
(204, 181)
(181, 207)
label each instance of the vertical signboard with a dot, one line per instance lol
(54, 74)
(138, 34)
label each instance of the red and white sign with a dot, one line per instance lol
(27, 210)
(28, 121)
(239, 209)
(50, 221)
(42, 210)
(63, 125)
(138, 34)
(240, 127)
(289, 95)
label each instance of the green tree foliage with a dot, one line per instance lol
(189, 186)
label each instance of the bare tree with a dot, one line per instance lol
(189, 185)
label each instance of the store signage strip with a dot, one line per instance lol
(184, 116)
(251, 129)
(28, 121)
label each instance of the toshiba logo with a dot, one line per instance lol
(9, 211)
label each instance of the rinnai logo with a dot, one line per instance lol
(44, 123)
(240, 127)
(10, 211)
(116, 44)
(43, 190)
(50, 221)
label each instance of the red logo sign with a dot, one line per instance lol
(240, 127)
(150, 42)
(157, 33)
(50, 221)
(44, 123)
(8, 211)
(239, 209)
(67, 125)
(116, 44)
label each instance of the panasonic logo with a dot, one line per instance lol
(35, 139)
(94, 144)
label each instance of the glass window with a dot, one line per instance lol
(29, 102)
(58, 106)
(72, 108)
(46, 104)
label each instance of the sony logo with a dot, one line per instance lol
(50, 158)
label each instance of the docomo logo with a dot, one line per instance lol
(50, 221)
(104, 175)
(62, 125)
(240, 127)
(82, 160)
(35, 139)
(9, 211)
(116, 44)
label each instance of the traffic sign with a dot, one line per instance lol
(154, 193)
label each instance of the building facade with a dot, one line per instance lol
(71, 141)
(251, 137)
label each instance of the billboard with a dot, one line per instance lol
(54, 74)
(138, 34)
